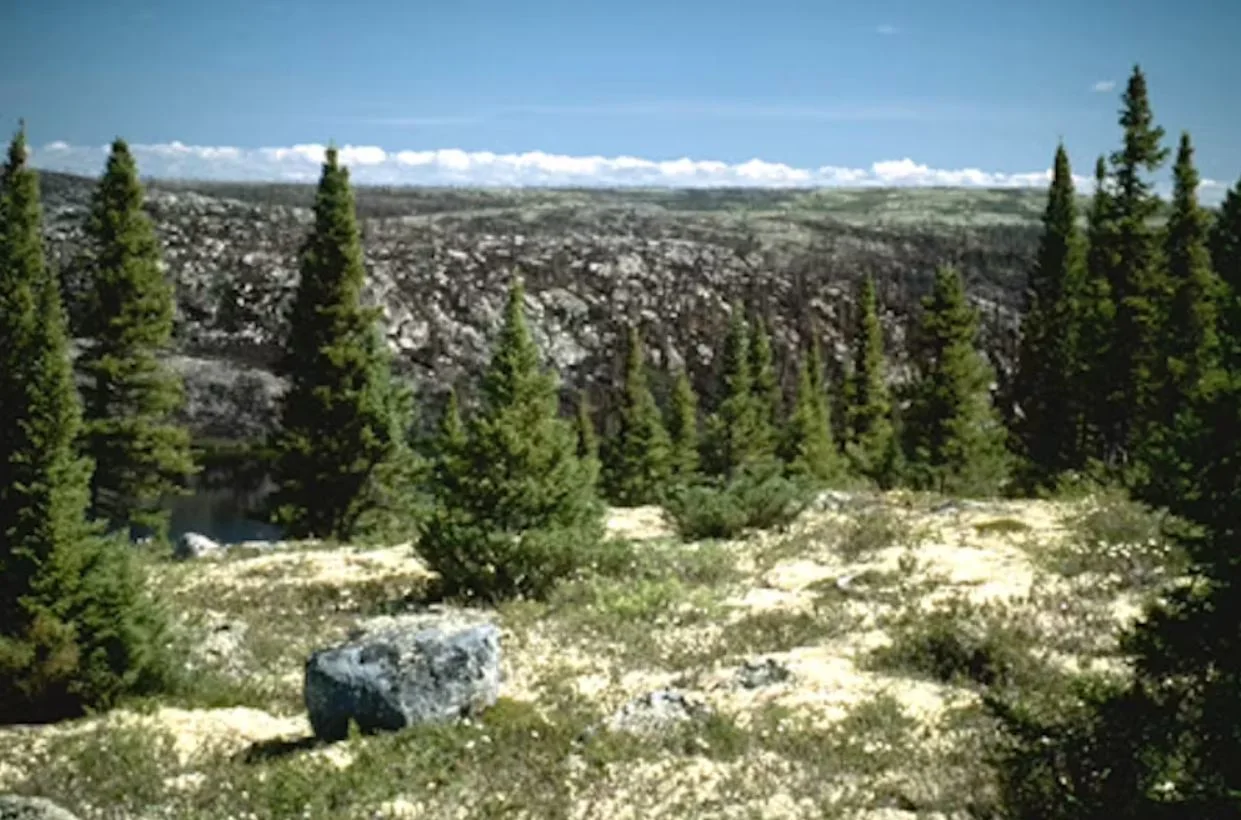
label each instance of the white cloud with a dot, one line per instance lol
(886, 29)
(375, 165)
(1103, 86)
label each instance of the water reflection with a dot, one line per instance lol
(222, 514)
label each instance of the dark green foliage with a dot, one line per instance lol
(737, 432)
(1140, 288)
(637, 458)
(758, 497)
(767, 394)
(1048, 429)
(141, 454)
(1097, 384)
(1190, 346)
(77, 630)
(1226, 259)
(1191, 343)
(450, 440)
(954, 440)
(519, 510)
(1164, 743)
(807, 446)
(342, 455)
(587, 439)
(961, 642)
(871, 442)
(683, 428)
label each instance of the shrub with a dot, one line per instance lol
(758, 498)
(961, 642)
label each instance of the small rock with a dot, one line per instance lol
(222, 648)
(14, 807)
(400, 672)
(767, 672)
(656, 711)
(959, 506)
(832, 501)
(195, 545)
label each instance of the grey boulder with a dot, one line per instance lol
(13, 807)
(656, 712)
(754, 674)
(400, 672)
(195, 545)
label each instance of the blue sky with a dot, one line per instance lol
(903, 91)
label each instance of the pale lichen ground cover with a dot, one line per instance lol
(843, 736)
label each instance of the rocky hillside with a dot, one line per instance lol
(439, 260)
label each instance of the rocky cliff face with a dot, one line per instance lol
(440, 261)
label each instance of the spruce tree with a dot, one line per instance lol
(1190, 349)
(141, 453)
(637, 461)
(683, 429)
(808, 448)
(520, 511)
(449, 440)
(342, 444)
(1191, 345)
(737, 433)
(1226, 260)
(1048, 428)
(587, 438)
(1097, 385)
(955, 440)
(870, 441)
(767, 394)
(77, 629)
(1141, 287)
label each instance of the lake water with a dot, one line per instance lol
(222, 514)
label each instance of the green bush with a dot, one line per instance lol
(1124, 540)
(870, 531)
(962, 642)
(758, 498)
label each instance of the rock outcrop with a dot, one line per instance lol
(400, 672)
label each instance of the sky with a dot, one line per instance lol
(650, 92)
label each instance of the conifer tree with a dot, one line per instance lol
(1141, 287)
(1226, 260)
(141, 453)
(1191, 344)
(871, 443)
(1097, 384)
(683, 428)
(737, 433)
(1048, 428)
(342, 445)
(77, 628)
(520, 511)
(587, 438)
(1190, 349)
(637, 458)
(449, 441)
(955, 440)
(767, 394)
(808, 448)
